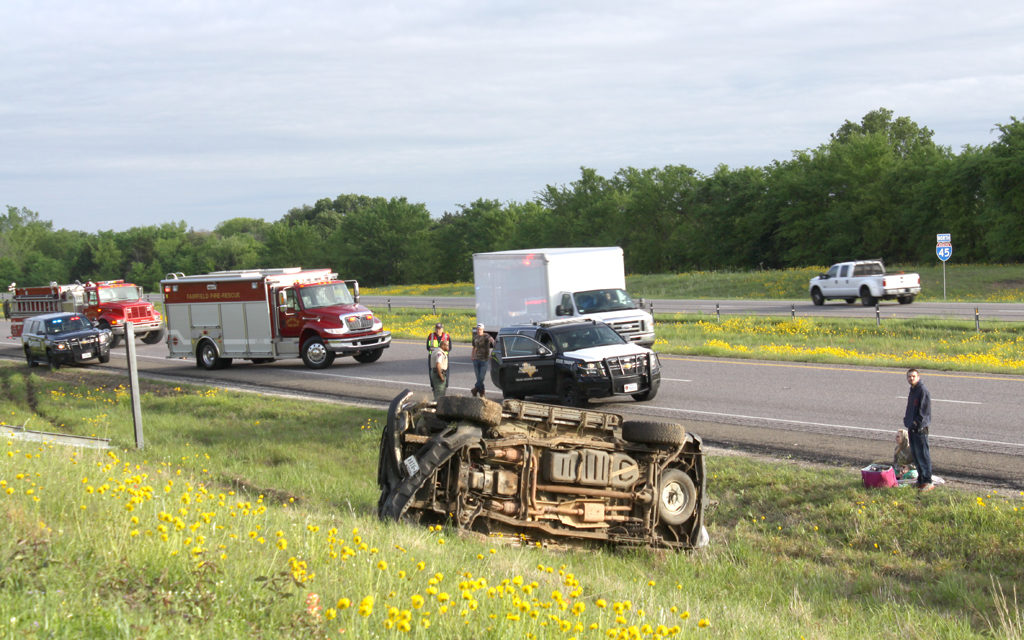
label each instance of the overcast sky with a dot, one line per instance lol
(122, 114)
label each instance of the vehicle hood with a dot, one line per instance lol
(337, 310)
(75, 335)
(607, 351)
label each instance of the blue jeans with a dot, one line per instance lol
(480, 369)
(922, 457)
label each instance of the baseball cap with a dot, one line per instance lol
(439, 326)
(480, 325)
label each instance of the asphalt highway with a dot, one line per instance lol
(841, 415)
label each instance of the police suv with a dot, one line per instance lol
(573, 359)
(64, 338)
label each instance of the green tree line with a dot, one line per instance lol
(878, 188)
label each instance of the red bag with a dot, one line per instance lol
(878, 475)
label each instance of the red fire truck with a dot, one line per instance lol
(269, 314)
(109, 304)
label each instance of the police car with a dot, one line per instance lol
(573, 359)
(64, 338)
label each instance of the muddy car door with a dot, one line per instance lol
(522, 366)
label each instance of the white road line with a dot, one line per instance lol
(835, 426)
(943, 400)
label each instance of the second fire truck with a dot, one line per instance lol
(109, 304)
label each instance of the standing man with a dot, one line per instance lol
(439, 370)
(482, 345)
(437, 337)
(917, 419)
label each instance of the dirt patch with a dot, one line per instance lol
(1014, 283)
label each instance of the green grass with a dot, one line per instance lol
(242, 506)
(963, 283)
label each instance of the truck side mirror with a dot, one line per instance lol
(543, 351)
(562, 311)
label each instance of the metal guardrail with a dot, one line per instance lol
(87, 442)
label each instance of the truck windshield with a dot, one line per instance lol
(119, 294)
(325, 295)
(603, 300)
(587, 336)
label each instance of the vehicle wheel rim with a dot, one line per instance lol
(316, 353)
(673, 498)
(208, 356)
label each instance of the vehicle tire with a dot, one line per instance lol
(28, 358)
(52, 360)
(153, 337)
(480, 410)
(569, 394)
(866, 298)
(650, 432)
(315, 354)
(105, 358)
(816, 297)
(206, 356)
(851, 300)
(646, 395)
(677, 497)
(366, 357)
(905, 299)
(114, 338)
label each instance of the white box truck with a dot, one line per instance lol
(534, 285)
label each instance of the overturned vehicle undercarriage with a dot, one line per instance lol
(527, 472)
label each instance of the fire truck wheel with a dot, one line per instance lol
(366, 357)
(206, 357)
(154, 337)
(315, 354)
(28, 357)
(677, 497)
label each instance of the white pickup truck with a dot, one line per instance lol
(864, 279)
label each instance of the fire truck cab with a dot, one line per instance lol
(109, 304)
(269, 314)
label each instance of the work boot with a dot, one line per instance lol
(927, 486)
(473, 391)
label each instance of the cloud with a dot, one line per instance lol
(117, 114)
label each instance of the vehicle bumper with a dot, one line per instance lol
(82, 355)
(349, 346)
(139, 327)
(905, 291)
(618, 386)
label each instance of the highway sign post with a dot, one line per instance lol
(944, 250)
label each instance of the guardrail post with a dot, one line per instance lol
(389, 305)
(878, 316)
(718, 313)
(433, 305)
(792, 311)
(977, 320)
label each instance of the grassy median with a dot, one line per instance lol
(253, 516)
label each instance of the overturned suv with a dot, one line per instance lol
(573, 359)
(64, 338)
(532, 473)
